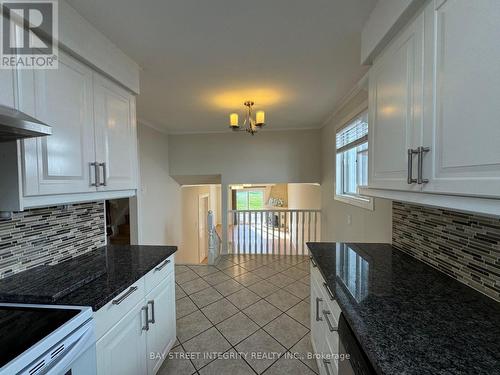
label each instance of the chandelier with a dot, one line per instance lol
(250, 124)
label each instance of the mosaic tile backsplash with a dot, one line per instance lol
(50, 235)
(464, 246)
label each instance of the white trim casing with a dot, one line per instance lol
(485, 206)
(51, 200)
(362, 201)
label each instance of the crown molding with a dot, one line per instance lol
(152, 126)
(361, 85)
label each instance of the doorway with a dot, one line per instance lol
(118, 221)
(203, 207)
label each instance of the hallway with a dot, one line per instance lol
(247, 315)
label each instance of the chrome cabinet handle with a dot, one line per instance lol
(318, 317)
(159, 267)
(332, 296)
(410, 178)
(327, 363)
(104, 177)
(331, 327)
(145, 327)
(152, 320)
(96, 173)
(120, 299)
(421, 151)
(312, 261)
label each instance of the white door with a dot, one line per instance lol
(116, 142)
(463, 123)
(61, 98)
(122, 351)
(162, 333)
(202, 227)
(395, 118)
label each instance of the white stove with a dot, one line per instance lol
(47, 339)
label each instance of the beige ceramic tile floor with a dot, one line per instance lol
(251, 310)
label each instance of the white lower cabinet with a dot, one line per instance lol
(161, 334)
(325, 313)
(122, 350)
(138, 342)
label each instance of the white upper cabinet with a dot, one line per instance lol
(8, 88)
(462, 107)
(116, 146)
(92, 152)
(395, 116)
(436, 89)
(60, 163)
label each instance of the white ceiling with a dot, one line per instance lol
(202, 58)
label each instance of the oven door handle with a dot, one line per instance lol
(68, 357)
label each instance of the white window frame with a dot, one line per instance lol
(357, 200)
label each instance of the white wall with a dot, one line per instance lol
(366, 226)
(159, 200)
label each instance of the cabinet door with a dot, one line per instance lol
(162, 333)
(7, 91)
(462, 124)
(116, 140)
(317, 305)
(395, 118)
(122, 350)
(7, 85)
(62, 98)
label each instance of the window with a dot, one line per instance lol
(249, 199)
(352, 162)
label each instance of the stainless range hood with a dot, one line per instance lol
(17, 125)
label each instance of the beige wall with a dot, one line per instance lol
(159, 199)
(304, 196)
(267, 157)
(365, 225)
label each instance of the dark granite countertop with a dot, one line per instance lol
(408, 317)
(92, 279)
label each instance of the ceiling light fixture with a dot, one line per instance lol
(250, 124)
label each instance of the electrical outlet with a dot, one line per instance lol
(349, 219)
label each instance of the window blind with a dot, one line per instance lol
(353, 134)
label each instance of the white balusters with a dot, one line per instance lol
(277, 231)
(214, 241)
